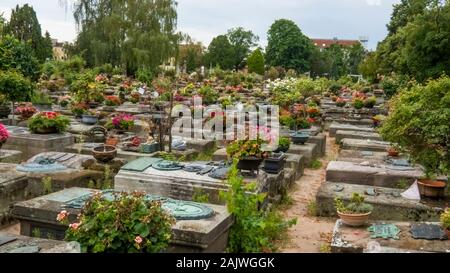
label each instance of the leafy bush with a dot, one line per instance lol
(41, 98)
(145, 75)
(255, 62)
(445, 219)
(16, 55)
(127, 224)
(335, 88)
(370, 102)
(46, 120)
(208, 94)
(419, 122)
(358, 103)
(254, 230)
(15, 86)
(272, 73)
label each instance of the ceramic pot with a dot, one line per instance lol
(249, 163)
(354, 220)
(104, 153)
(431, 188)
(299, 138)
(275, 163)
(89, 120)
(46, 131)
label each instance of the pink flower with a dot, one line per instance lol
(74, 226)
(138, 240)
(62, 215)
(4, 134)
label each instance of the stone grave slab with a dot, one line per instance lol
(32, 144)
(321, 141)
(365, 145)
(341, 134)
(220, 155)
(204, 235)
(328, 121)
(309, 151)
(10, 156)
(388, 203)
(24, 244)
(296, 163)
(375, 175)
(347, 239)
(12, 189)
(335, 126)
(357, 156)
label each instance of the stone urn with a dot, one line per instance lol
(89, 119)
(354, 220)
(104, 153)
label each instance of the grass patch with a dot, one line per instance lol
(311, 208)
(402, 184)
(325, 248)
(206, 155)
(200, 196)
(315, 164)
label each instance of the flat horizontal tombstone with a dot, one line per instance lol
(357, 156)
(335, 126)
(352, 121)
(10, 156)
(365, 144)
(13, 186)
(342, 134)
(388, 204)
(309, 151)
(23, 244)
(359, 240)
(208, 233)
(377, 175)
(21, 139)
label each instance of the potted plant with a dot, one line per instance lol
(134, 97)
(89, 117)
(48, 123)
(356, 213)
(26, 111)
(445, 222)
(121, 122)
(283, 145)
(370, 102)
(248, 152)
(4, 135)
(4, 108)
(418, 122)
(377, 120)
(313, 112)
(340, 102)
(79, 109)
(112, 101)
(358, 103)
(274, 163)
(393, 151)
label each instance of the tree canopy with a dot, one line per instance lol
(25, 26)
(288, 46)
(242, 41)
(221, 53)
(256, 62)
(18, 56)
(130, 34)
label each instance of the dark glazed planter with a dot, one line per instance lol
(299, 138)
(249, 163)
(89, 120)
(4, 111)
(275, 163)
(45, 131)
(104, 153)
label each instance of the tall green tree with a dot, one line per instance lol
(190, 54)
(17, 55)
(133, 34)
(404, 12)
(2, 23)
(256, 62)
(288, 46)
(221, 53)
(25, 26)
(242, 41)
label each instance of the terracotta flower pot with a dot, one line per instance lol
(432, 188)
(393, 152)
(354, 220)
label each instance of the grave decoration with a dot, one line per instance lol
(4, 135)
(41, 165)
(121, 123)
(356, 213)
(104, 153)
(25, 111)
(427, 231)
(300, 137)
(385, 231)
(248, 152)
(166, 165)
(48, 123)
(274, 163)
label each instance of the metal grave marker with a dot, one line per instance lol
(427, 231)
(385, 231)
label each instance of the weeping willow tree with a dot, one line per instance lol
(137, 34)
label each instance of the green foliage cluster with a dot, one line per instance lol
(18, 56)
(254, 230)
(445, 219)
(256, 62)
(209, 95)
(419, 122)
(42, 121)
(15, 86)
(127, 224)
(240, 149)
(356, 205)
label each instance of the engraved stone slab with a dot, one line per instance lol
(427, 231)
(141, 164)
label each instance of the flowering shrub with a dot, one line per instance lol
(313, 111)
(79, 109)
(112, 101)
(4, 134)
(134, 97)
(48, 120)
(25, 112)
(340, 102)
(127, 224)
(244, 148)
(101, 78)
(370, 102)
(358, 103)
(121, 122)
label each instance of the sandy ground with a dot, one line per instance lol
(310, 234)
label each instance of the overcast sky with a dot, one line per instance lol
(205, 19)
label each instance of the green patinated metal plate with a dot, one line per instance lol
(181, 210)
(385, 231)
(141, 164)
(165, 165)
